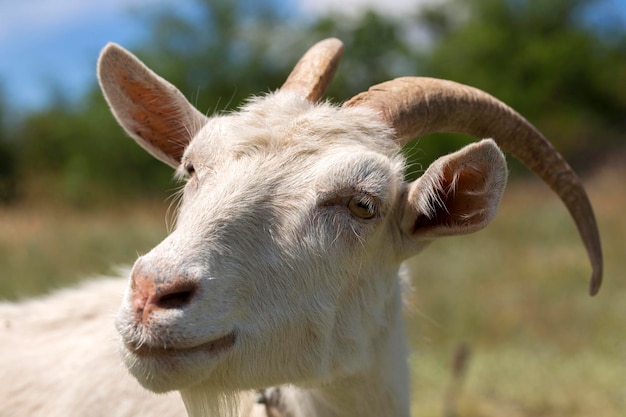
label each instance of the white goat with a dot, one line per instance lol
(283, 266)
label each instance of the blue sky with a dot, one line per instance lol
(55, 43)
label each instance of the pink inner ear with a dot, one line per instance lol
(151, 110)
(156, 119)
(460, 202)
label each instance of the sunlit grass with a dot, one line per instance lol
(46, 246)
(515, 293)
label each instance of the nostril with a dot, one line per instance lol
(174, 296)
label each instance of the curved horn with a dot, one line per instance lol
(314, 72)
(416, 106)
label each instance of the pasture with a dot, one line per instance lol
(515, 294)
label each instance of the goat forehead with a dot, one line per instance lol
(292, 178)
(281, 123)
(267, 187)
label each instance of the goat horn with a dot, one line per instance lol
(416, 106)
(314, 72)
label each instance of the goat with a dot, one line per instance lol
(283, 267)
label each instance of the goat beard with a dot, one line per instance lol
(203, 402)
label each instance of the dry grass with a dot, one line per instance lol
(515, 293)
(46, 246)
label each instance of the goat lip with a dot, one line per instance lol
(212, 347)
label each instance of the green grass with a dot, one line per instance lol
(515, 293)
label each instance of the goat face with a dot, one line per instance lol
(283, 263)
(284, 232)
(293, 222)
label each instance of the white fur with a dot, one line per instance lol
(58, 358)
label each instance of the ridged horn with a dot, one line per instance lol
(314, 71)
(417, 106)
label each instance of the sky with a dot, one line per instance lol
(53, 44)
(56, 42)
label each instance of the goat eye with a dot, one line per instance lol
(362, 207)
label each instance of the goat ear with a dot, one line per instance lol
(151, 110)
(459, 193)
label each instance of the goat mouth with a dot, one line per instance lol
(212, 347)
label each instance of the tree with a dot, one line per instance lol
(222, 52)
(542, 58)
(8, 161)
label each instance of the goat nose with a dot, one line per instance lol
(173, 295)
(148, 295)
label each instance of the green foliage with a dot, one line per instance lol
(8, 161)
(223, 53)
(376, 50)
(83, 156)
(542, 59)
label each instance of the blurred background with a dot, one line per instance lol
(78, 198)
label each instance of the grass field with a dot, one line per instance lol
(515, 294)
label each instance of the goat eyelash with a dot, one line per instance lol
(362, 205)
(185, 172)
